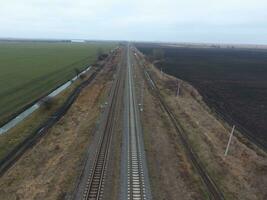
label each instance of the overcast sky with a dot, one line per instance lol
(220, 21)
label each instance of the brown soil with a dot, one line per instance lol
(171, 175)
(240, 175)
(49, 170)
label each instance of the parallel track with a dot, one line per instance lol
(214, 192)
(95, 183)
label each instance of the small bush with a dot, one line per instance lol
(82, 76)
(47, 102)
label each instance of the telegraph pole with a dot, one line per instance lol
(178, 89)
(141, 106)
(229, 141)
(142, 96)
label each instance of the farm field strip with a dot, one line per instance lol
(231, 81)
(69, 138)
(20, 117)
(213, 190)
(30, 70)
(32, 139)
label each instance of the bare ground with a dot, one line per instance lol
(49, 170)
(240, 175)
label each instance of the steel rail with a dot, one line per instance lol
(95, 183)
(136, 184)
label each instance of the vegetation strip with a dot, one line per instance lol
(214, 192)
(39, 67)
(227, 118)
(31, 140)
(232, 81)
(37, 104)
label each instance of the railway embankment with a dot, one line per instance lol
(239, 175)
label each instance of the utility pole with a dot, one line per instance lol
(229, 141)
(178, 89)
(142, 97)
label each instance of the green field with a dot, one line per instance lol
(30, 69)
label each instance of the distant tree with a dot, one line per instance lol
(77, 71)
(82, 76)
(100, 52)
(78, 74)
(158, 54)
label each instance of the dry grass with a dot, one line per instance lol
(171, 174)
(240, 175)
(27, 127)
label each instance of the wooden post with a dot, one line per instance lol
(229, 141)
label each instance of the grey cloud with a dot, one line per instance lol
(170, 20)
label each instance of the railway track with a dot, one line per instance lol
(213, 190)
(136, 185)
(95, 182)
